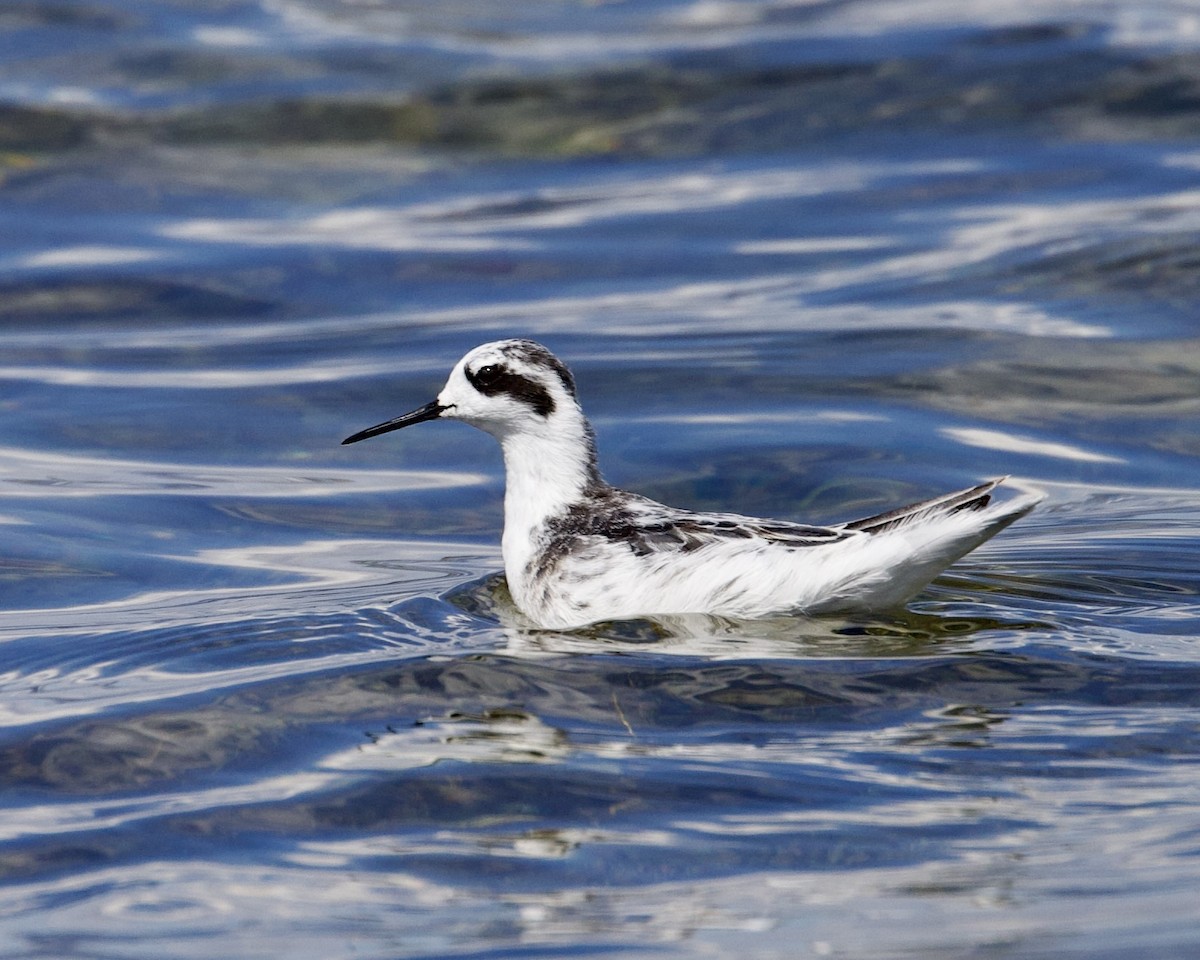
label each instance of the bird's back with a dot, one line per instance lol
(623, 556)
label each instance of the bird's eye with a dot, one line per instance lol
(487, 374)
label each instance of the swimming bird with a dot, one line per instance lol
(578, 550)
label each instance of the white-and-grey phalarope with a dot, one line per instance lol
(577, 550)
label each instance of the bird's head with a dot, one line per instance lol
(506, 388)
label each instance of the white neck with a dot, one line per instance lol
(546, 472)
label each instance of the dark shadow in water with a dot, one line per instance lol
(630, 688)
(484, 749)
(492, 749)
(752, 96)
(102, 299)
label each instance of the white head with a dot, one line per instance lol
(509, 388)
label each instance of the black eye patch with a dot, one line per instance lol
(493, 379)
(486, 375)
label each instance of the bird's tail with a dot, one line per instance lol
(906, 548)
(974, 498)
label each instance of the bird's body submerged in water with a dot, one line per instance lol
(577, 550)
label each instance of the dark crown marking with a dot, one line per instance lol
(493, 379)
(534, 354)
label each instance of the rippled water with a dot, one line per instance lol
(261, 694)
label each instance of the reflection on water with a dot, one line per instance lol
(998, 440)
(904, 633)
(259, 694)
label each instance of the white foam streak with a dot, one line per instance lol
(769, 303)
(755, 418)
(92, 255)
(813, 245)
(28, 473)
(1013, 443)
(468, 223)
(393, 230)
(215, 378)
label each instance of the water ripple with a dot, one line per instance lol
(262, 693)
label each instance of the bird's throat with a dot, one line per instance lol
(545, 475)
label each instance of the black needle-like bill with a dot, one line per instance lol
(431, 411)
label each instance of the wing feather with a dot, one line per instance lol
(973, 498)
(657, 527)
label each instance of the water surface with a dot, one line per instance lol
(262, 693)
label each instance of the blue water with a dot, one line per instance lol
(260, 693)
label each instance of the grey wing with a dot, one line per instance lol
(650, 527)
(659, 528)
